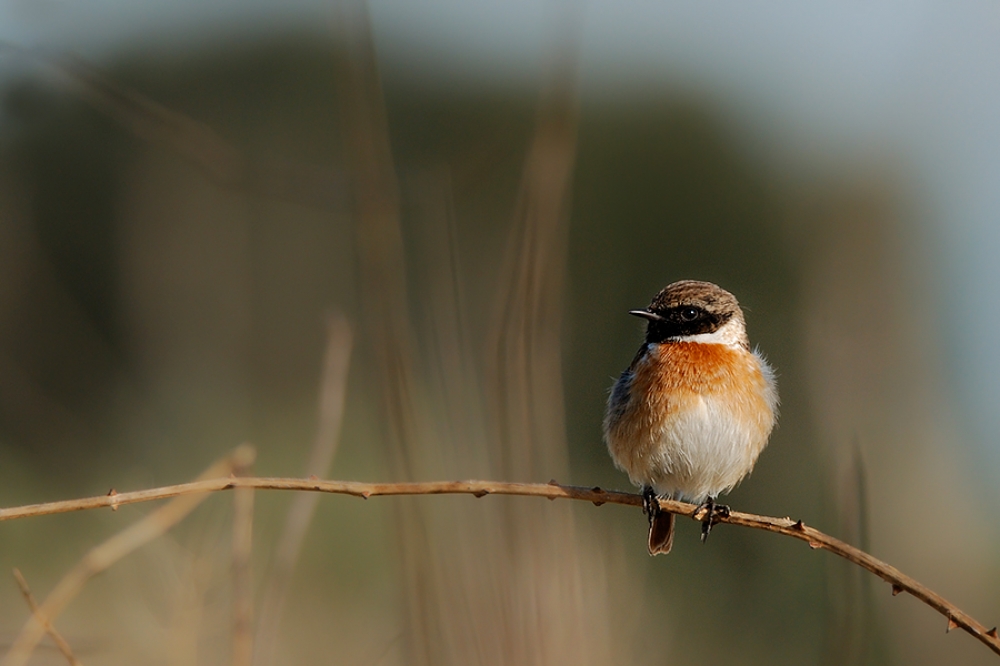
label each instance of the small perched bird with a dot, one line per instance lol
(690, 415)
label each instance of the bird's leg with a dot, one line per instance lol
(713, 512)
(650, 504)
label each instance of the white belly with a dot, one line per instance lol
(702, 452)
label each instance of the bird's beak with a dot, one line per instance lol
(646, 314)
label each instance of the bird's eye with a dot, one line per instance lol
(689, 314)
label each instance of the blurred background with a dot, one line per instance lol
(404, 237)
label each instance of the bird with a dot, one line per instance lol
(691, 414)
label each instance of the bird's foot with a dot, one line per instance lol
(650, 503)
(710, 513)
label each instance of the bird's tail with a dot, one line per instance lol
(661, 533)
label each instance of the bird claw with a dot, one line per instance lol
(650, 503)
(710, 513)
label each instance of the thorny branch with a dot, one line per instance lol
(816, 540)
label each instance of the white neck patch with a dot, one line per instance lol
(732, 334)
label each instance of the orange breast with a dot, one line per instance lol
(695, 367)
(669, 377)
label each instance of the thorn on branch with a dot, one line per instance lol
(480, 493)
(113, 493)
(992, 633)
(896, 589)
(599, 491)
(553, 482)
(951, 624)
(815, 545)
(800, 526)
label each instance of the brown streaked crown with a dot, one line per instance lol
(688, 307)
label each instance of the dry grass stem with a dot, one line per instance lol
(816, 540)
(49, 629)
(384, 301)
(332, 395)
(381, 257)
(242, 579)
(103, 556)
(558, 599)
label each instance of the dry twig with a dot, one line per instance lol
(103, 556)
(56, 637)
(794, 528)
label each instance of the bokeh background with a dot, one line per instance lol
(199, 200)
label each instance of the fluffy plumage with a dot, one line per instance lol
(693, 411)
